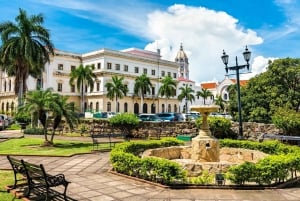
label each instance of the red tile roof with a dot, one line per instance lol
(184, 79)
(242, 82)
(209, 85)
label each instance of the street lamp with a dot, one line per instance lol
(247, 55)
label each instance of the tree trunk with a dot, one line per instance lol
(142, 103)
(82, 98)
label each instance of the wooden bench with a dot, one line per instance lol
(220, 179)
(38, 178)
(18, 168)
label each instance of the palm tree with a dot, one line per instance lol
(168, 88)
(205, 93)
(220, 102)
(84, 77)
(26, 47)
(116, 89)
(62, 109)
(142, 86)
(39, 103)
(187, 93)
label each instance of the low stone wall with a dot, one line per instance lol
(252, 130)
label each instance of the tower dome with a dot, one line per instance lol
(181, 56)
(183, 61)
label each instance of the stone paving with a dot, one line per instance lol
(91, 181)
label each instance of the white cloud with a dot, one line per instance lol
(204, 34)
(258, 66)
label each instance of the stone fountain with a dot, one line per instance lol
(204, 153)
(205, 147)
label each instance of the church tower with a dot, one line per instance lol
(183, 61)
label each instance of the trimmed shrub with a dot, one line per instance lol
(125, 159)
(125, 122)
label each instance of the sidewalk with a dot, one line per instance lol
(91, 181)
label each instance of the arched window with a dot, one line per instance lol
(7, 107)
(136, 108)
(145, 108)
(4, 85)
(118, 107)
(2, 107)
(153, 109)
(169, 108)
(162, 107)
(97, 106)
(108, 107)
(9, 85)
(125, 107)
(91, 106)
(175, 108)
(85, 106)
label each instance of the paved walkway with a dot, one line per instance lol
(91, 181)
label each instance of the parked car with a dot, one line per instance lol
(149, 117)
(110, 114)
(5, 121)
(171, 116)
(189, 117)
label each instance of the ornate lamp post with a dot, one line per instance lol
(247, 55)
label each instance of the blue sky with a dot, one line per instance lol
(205, 27)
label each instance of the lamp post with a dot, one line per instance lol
(224, 57)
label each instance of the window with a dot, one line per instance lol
(136, 69)
(117, 66)
(163, 73)
(9, 85)
(59, 87)
(60, 67)
(153, 91)
(145, 71)
(175, 75)
(73, 88)
(126, 68)
(109, 66)
(152, 72)
(169, 74)
(73, 68)
(5, 85)
(108, 106)
(98, 86)
(97, 106)
(125, 107)
(86, 88)
(98, 65)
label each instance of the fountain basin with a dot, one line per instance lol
(228, 157)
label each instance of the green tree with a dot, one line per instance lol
(116, 89)
(167, 89)
(62, 109)
(204, 93)
(39, 103)
(220, 102)
(84, 77)
(186, 93)
(26, 47)
(142, 86)
(278, 87)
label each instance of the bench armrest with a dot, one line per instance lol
(57, 180)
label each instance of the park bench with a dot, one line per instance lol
(37, 179)
(18, 168)
(99, 135)
(220, 179)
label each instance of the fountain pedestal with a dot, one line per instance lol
(205, 147)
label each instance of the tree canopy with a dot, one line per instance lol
(278, 87)
(26, 47)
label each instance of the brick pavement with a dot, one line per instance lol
(91, 181)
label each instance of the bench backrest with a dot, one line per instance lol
(34, 172)
(16, 165)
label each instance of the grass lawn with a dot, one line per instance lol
(7, 178)
(32, 146)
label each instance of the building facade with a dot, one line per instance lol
(129, 63)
